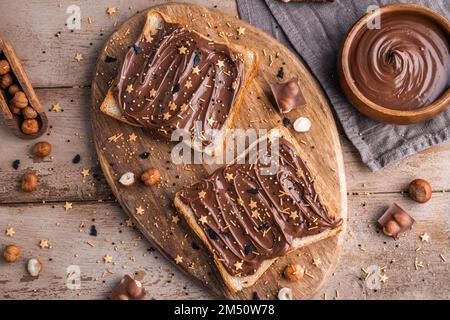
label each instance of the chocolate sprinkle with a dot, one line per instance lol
(109, 59)
(286, 122)
(248, 248)
(255, 296)
(196, 60)
(76, 159)
(93, 231)
(16, 164)
(253, 191)
(137, 49)
(280, 73)
(176, 88)
(195, 246)
(212, 234)
(144, 155)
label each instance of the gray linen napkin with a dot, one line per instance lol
(316, 32)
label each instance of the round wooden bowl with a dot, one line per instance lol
(369, 108)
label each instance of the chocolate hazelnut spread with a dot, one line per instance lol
(176, 78)
(250, 217)
(404, 65)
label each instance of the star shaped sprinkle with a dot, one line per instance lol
(129, 223)
(172, 106)
(166, 116)
(56, 107)
(195, 70)
(140, 210)
(240, 31)
(107, 258)
(188, 84)
(111, 11)
(229, 177)
(202, 195)
(383, 278)
(184, 107)
(178, 259)
(293, 215)
(255, 214)
(425, 237)
(238, 265)
(132, 137)
(317, 262)
(44, 244)
(130, 88)
(85, 172)
(68, 206)
(220, 64)
(203, 219)
(78, 57)
(153, 93)
(175, 219)
(253, 204)
(240, 202)
(211, 121)
(182, 50)
(299, 173)
(10, 232)
(234, 85)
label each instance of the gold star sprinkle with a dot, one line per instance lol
(255, 214)
(44, 244)
(220, 64)
(234, 85)
(203, 219)
(182, 50)
(153, 93)
(130, 88)
(10, 232)
(178, 259)
(166, 116)
(229, 177)
(202, 195)
(188, 84)
(195, 70)
(425, 237)
(317, 262)
(383, 278)
(140, 210)
(240, 202)
(299, 173)
(253, 204)
(85, 173)
(172, 106)
(293, 215)
(107, 258)
(175, 219)
(240, 31)
(184, 107)
(68, 206)
(129, 223)
(238, 265)
(211, 121)
(111, 11)
(56, 107)
(78, 57)
(132, 137)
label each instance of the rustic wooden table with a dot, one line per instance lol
(414, 269)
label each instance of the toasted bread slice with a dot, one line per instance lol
(235, 283)
(250, 60)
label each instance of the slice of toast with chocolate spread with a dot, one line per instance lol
(174, 78)
(248, 218)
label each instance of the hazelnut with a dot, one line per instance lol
(135, 289)
(29, 182)
(285, 294)
(29, 113)
(151, 176)
(6, 81)
(391, 228)
(34, 267)
(420, 190)
(402, 219)
(13, 89)
(20, 100)
(11, 253)
(4, 67)
(122, 297)
(294, 272)
(30, 126)
(42, 149)
(15, 110)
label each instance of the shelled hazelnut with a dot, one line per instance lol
(11, 253)
(151, 176)
(15, 110)
(29, 113)
(34, 267)
(294, 272)
(6, 81)
(20, 100)
(29, 182)
(420, 190)
(13, 89)
(30, 126)
(42, 149)
(4, 67)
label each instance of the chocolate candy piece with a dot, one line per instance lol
(395, 221)
(128, 289)
(288, 95)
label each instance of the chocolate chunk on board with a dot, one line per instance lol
(400, 217)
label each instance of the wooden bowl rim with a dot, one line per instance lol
(425, 112)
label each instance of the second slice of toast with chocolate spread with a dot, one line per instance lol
(174, 78)
(248, 218)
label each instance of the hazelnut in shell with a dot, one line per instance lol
(4, 67)
(42, 149)
(11, 253)
(420, 190)
(391, 228)
(30, 126)
(6, 81)
(29, 182)
(151, 177)
(294, 272)
(13, 89)
(20, 100)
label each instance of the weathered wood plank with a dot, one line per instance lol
(47, 47)
(363, 247)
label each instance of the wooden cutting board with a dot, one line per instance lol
(117, 154)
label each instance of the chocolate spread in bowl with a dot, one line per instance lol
(249, 217)
(404, 65)
(177, 78)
